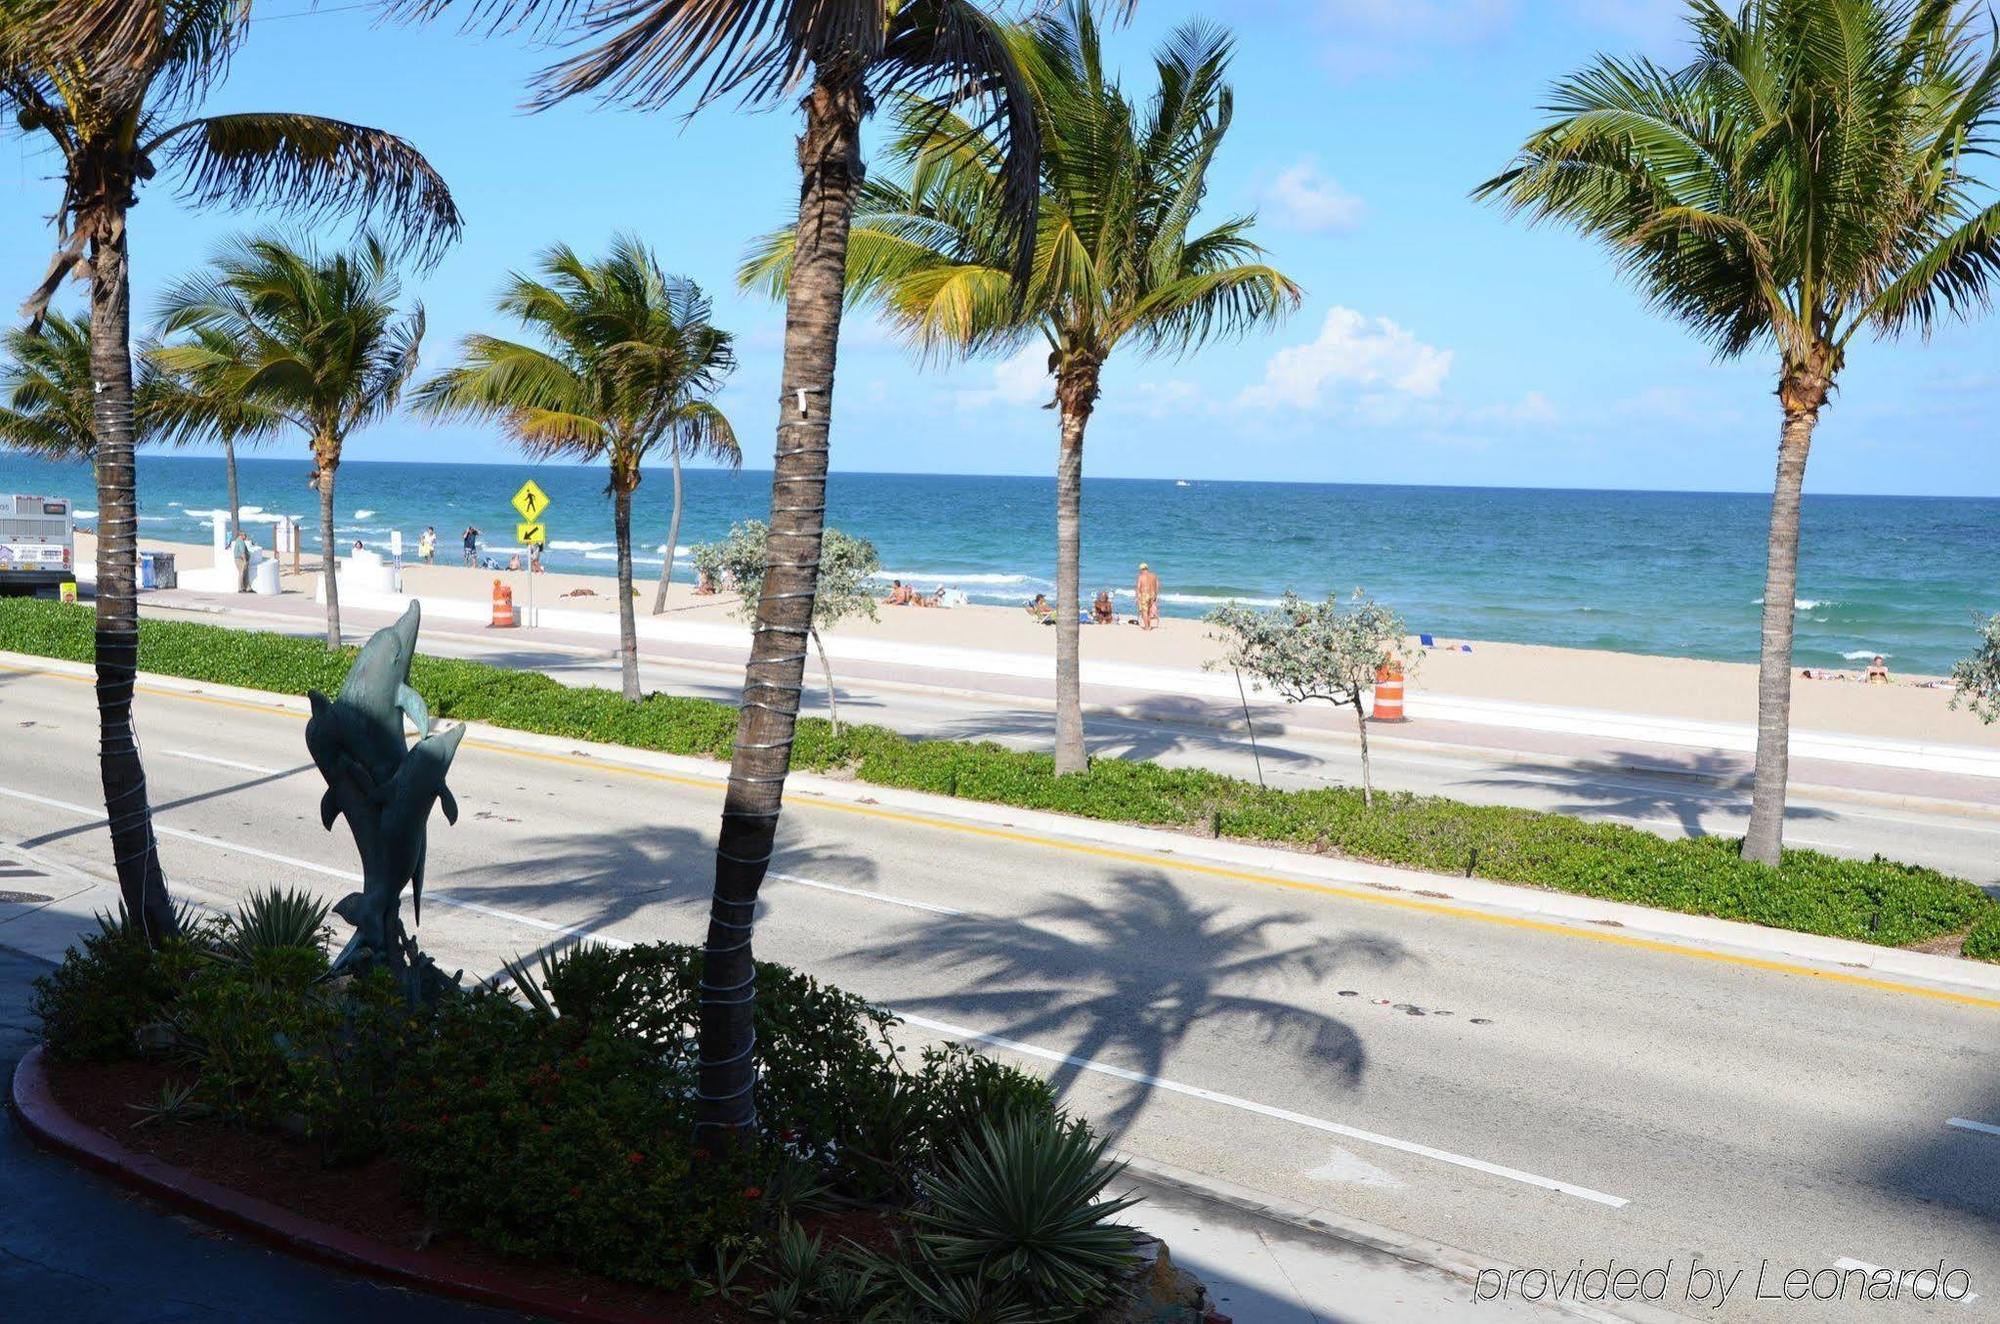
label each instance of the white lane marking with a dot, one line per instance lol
(856, 891)
(1845, 1265)
(516, 917)
(1967, 1124)
(1266, 1110)
(220, 763)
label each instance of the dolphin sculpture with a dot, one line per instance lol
(358, 736)
(385, 788)
(393, 837)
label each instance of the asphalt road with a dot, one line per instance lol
(1534, 1096)
(1947, 822)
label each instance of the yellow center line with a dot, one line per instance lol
(1367, 896)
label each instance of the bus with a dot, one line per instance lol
(37, 543)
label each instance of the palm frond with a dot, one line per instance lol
(320, 165)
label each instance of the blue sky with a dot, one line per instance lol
(1438, 343)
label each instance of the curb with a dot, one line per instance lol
(1371, 1238)
(1415, 889)
(34, 1105)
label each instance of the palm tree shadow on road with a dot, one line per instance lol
(658, 875)
(1127, 981)
(1683, 789)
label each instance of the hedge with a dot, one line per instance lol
(1877, 901)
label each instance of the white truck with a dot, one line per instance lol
(37, 543)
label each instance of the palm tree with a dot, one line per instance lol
(193, 399)
(1115, 261)
(1803, 178)
(842, 54)
(314, 337)
(46, 389)
(115, 85)
(718, 447)
(626, 361)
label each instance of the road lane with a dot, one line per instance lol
(1743, 1114)
(1950, 823)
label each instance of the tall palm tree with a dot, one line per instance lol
(1115, 261)
(1805, 177)
(842, 55)
(193, 399)
(724, 451)
(314, 337)
(116, 86)
(626, 362)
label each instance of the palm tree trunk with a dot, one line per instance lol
(235, 505)
(826, 667)
(1803, 395)
(1076, 393)
(628, 628)
(134, 850)
(328, 558)
(830, 170)
(673, 537)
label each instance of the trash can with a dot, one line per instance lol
(164, 574)
(146, 571)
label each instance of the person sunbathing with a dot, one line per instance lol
(1040, 608)
(899, 595)
(1878, 671)
(1101, 611)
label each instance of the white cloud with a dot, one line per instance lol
(1534, 407)
(1022, 379)
(1372, 356)
(1301, 198)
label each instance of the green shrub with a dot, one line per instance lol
(1021, 1203)
(1983, 942)
(548, 1139)
(92, 1006)
(1871, 901)
(273, 1047)
(272, 928)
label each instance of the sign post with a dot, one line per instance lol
(532, 532)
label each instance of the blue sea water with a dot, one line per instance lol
(1673, 573)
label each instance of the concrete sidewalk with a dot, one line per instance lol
(70, 1239)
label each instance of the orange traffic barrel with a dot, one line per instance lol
(1389, 694)
(503, 608)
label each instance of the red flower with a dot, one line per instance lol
(635, 1157)
(583, 1063)
(444, 1119)
(546, 1128)
(576, 1192)
(701, 1155)
(753, 1192)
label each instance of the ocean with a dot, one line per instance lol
(1671, 573)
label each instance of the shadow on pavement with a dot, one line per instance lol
(1683, 789)
(1126, 982)
(593, 880)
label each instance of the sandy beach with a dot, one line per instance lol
(1687, 688)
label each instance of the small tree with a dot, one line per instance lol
(1978, 676)
(1315, 650)
(846, 567)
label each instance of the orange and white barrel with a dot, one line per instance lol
(503, 608)
(1389, 694)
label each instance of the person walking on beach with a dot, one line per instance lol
(471, 545)
(427, 545)
(1147, 590)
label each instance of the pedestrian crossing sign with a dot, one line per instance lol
(531, 501)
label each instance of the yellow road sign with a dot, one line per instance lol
(531, 501)
(532, 534)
